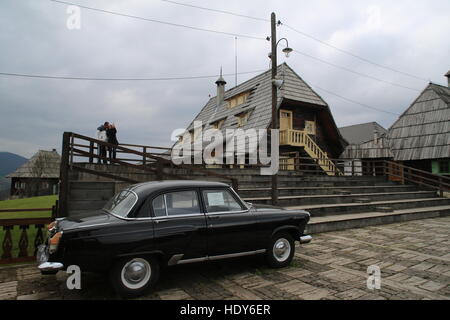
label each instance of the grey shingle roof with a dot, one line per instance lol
(359, 133)
(44, 164)
(423, 130)
(259, 101)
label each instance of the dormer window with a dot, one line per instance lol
(218, 124)
(242, 118)
(238, 99)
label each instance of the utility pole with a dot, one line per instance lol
(273, 57)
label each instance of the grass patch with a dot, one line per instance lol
(27, 203)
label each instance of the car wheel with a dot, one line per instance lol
(281, 250)
(131, 277)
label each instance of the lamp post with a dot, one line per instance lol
(273, 57)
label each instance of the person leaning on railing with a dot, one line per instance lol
(111, 134)
(101, 135)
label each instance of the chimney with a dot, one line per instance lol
(448, 78)
(375, 136)
(220, 89)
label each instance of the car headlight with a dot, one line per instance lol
(54, 242)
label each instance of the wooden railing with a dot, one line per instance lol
(18, 229)
(401, 173)
(150, 159)
(300, 138)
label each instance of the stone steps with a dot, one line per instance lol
(349, 221)
(351, 208)
(324, 199)
(303, 191)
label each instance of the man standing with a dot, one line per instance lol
(101, 135)
(111, 133)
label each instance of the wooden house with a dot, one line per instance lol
(419, 138)
(39, 176)
(367, 142)
(307, 128)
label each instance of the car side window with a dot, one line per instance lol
(220, 201)
(176, 203)
(159, 206)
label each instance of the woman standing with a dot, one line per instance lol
(111, 133)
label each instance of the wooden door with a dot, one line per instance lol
(285, 120)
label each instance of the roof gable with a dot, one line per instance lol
(423, 130)
(44, 164)
(359, 133)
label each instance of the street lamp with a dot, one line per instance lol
(275, 85)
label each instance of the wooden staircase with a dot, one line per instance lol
(298, 138)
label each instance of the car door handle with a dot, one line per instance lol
(214, 217)
(159, 221)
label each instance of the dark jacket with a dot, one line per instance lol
(111, 134)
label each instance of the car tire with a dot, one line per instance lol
(133, 276)
(280, 250)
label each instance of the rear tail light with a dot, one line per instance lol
(54, 242)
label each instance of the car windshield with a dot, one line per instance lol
(121, 203)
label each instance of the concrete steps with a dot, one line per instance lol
(349, 221)
(303, 191)
(343, 198)
(351, 208)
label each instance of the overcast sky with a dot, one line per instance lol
(410, 36)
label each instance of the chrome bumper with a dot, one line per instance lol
(305, 239)
(50, 266)
(42, 256)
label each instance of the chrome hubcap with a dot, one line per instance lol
(136, 273)
(281, 249)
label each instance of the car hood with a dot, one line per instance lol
(86, 219)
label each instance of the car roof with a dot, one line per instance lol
(151, 186)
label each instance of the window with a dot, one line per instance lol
(242, 118)
(444, 167)
(238, 99)
(310, 127)
(218, 124)
(122, 203)
(176, 203)
(220, 201)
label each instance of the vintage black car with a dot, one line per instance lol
(154, 224)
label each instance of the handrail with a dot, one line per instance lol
(301, 138)
(417, 176)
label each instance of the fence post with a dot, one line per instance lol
(64, 176)
(91, 152)
(144, 156)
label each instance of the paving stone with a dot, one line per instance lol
(432, 286)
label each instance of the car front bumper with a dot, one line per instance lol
(305, 239)
(42, 257)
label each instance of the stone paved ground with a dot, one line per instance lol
(414, 258)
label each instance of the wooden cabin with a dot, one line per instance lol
(419, 138)
(39, 176)
(307, 127)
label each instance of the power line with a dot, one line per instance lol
(40, 76)
(355, 102)
(303, 34)
(216, 10)
(355, 72)
(353, 55)
(159, 21)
